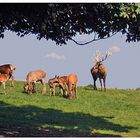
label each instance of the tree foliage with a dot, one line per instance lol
(60, 22)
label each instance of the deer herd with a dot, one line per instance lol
(67, 84)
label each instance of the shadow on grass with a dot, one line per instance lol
(31, 121)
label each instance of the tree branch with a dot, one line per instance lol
(95, 39)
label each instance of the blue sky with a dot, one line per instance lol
(29, 54)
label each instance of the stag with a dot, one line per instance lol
(99, 70)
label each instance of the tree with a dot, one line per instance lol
(61, 22)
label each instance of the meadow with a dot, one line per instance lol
(114, 113)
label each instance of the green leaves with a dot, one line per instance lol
(130, 10)
(60, 22)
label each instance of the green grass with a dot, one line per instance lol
(110, 113)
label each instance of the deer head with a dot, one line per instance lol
(99, 59)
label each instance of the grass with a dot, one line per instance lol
(114, 113)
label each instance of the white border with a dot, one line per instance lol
(69, 1)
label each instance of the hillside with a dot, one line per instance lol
(114, 113)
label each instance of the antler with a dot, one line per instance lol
(98, 55)
(107, 54)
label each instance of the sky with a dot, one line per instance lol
(28, 53)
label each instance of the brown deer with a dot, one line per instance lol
(3, 80)
(9, 70)
(72, 81)
(32, 78)
(99, 70)
(53, 82)
(58, 81)
(65, 82)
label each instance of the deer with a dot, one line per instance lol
(9, 70)
(57, 81)
(72, 81)
(32, 78)
(53, 82)
(65, 82)
(99, 70)
(3, 80)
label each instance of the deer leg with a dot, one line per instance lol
(70, 91)
(66, 91)
(30, 88)
(100, 83)
(11, 78)
(76, 96)
(34, 87)
(44, 89)
(12, 81)
(104, 84)
(53, 90)
(3, 84)
(73, 91)
(44, 86)
(95, 88)
(62, 89)
(50, 91)
(29, 91)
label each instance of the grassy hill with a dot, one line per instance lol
(114, 113)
